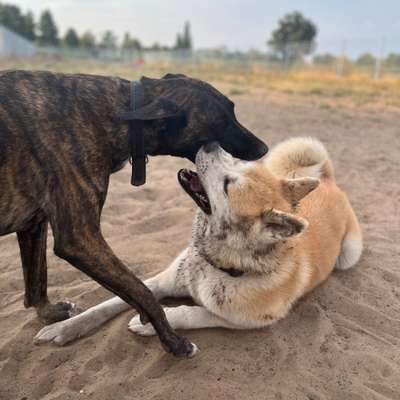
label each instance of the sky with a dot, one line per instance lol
(352, 26)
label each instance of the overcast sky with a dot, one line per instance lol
(358, 25)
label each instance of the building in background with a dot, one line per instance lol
(13, 45)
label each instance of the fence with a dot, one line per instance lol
(294, 56)
(375, 57)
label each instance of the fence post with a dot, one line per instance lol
(379, 60)
(341, 61)
(286, 58)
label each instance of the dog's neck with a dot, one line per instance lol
(237, 262)
(217, 251)
(113, 98)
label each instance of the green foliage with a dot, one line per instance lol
(294, 37)
(393, 60)
(108, 41)
(29, 27)
(187, 37)
(88, 41)
(324, 59)
(48, 32)
(12, 18)
(71, 39)
(155, 46)
(130, 43)
(366, 60)
(45, 32)
(184, 41)
(178, 42)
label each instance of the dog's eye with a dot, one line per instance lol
(227, 181)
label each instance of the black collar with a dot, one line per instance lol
(138, 157)
(234, 273)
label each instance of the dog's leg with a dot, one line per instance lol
(184, 317)
(71, 329)
(162, 285)
(83, 246)
(167, 283)
(32, 244)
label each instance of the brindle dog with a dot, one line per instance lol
(60, 140)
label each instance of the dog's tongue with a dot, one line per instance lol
(195, 184)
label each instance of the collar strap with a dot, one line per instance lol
(233, 272)
(138, 157)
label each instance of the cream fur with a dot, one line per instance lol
(300, 157)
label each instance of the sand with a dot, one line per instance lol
(340, 342)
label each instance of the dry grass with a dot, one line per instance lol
(356, 88)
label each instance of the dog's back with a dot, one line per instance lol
(333, 237)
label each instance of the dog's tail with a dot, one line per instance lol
(300, 157)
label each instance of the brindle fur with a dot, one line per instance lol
(59, 142)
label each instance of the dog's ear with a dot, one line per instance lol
(173, 76)
(283, 225)
(294, 190)
(159, 108)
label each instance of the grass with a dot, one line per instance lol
(356, 87)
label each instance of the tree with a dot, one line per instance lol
(108, 41)
(155, 46)
(393, 60)
(48, 35)
(325, 59)
(178, 42)
(187, 37)
(184, 41)
(71, 38)
(88, 41)
(294, 37)
(12, 18)
(28, 27)
(366, 60)
(130, 43)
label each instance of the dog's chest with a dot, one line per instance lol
(207, 283)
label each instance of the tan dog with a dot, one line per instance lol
(267, 233)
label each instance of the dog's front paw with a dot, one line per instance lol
(136, 326)
(59, 333)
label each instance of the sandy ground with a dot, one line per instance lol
(341, 342)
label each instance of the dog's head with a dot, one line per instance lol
(181, 114)
(245, 208)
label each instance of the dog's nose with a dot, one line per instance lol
(259, 152)
(210, 147)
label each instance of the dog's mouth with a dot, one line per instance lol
(191, 184)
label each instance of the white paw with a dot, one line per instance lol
(59, 333)
(136, 326)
